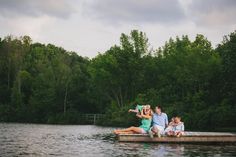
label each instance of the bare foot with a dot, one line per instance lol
(178, 135)
(169, 133)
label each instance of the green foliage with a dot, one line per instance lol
(47, 84)
(227, 51)
(41, 81)
(117, 74)
(185, 77)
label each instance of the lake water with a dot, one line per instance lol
(89, 140)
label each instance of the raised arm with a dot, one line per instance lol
(131, 110)
(138, 115)
(145, 116)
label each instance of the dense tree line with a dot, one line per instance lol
(47, 84)
(41, 83)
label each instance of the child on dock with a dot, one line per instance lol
(177, 128)
(138, 109)
(170, 125)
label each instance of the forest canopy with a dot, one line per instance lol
(46, 84)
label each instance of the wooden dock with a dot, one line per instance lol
(189, 137)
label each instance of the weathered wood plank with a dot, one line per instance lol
(189, 137)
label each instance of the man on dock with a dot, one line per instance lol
(159, 122)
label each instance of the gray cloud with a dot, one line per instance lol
(213, 12)
(207, 6)
(151, 11)
(35, 8)
(90, 26)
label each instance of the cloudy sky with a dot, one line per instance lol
(91, 26)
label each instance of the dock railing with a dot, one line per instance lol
(92, 118)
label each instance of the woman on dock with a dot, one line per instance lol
(146, 116)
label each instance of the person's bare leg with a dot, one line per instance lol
(156, 131)
(169, 133)
(137, 130)
(115, 131)
(150, 133)
(129, 132)
(127, 129)
(130, 129)
(120, 130)
(125, 132)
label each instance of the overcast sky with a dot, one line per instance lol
(91, 26)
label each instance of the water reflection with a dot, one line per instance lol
(88, 140)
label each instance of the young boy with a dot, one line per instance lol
(170, 126)
(177, 128)
(138, 109)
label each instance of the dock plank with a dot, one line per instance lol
(189, 137)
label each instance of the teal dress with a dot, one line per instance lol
(146, 124)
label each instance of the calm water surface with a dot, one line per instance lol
(89, 140)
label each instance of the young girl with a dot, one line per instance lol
(177, 128)
(146, 116)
